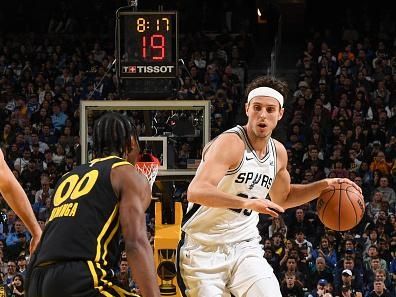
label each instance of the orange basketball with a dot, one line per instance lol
(340, 207)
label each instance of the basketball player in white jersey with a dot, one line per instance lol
(16, 198)
(219, 253)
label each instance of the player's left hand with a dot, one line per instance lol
(334, 181)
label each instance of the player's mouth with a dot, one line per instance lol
(262, 125)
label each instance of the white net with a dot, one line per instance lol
(149, 169)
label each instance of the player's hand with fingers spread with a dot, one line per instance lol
(334, 181)
(264, 206)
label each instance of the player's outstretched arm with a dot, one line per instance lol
(135, 196)
(223, 154)
(291, 195)
(16, 198)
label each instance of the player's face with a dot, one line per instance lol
(264, 114)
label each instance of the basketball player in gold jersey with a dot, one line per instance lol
(16, 198)
(92, 206)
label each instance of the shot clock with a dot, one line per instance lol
(147, 44)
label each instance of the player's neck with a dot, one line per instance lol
(259, 143)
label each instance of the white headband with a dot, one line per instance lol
(266, 92)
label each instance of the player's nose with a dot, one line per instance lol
(263, 114)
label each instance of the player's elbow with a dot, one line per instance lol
(137, 246)
(194, 193)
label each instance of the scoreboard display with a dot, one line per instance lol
(147, 44)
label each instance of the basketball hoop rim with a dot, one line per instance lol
(141, 164)
(148, 169)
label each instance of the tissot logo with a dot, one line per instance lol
(147, 69)
(129, 69)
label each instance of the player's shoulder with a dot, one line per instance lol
(228, 142)
(235, 138)
(125, 174)
(280, 148)
(226, 145)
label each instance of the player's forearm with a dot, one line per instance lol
(16, 198)
(140, 260)
(208, 195)
(300, 194)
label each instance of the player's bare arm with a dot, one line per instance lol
(16, 198)
(291, 195)
(223, 154)
(135, 197)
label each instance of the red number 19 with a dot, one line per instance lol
(154, 44)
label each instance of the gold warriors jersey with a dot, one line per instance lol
(252, 178)
(84, 221)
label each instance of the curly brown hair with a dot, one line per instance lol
(268, 81)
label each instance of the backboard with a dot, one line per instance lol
(174, 132)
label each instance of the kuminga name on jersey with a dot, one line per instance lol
(252, 178)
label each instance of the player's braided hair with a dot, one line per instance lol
(112, 134)
(270, 82)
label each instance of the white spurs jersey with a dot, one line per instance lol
(252, 178)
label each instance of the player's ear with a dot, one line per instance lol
(246, 108)
(281, 112)
(134, 144)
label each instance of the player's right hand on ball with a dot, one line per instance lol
(333, 181)
(265, 206)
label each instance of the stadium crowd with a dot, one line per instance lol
(342, 123)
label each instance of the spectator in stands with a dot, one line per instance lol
(123, 276)
(46, 191)
(278, 244)
(320, 290)
(375, 205)
(58, 118)
(389, 194)
(349, 275)
(292, 268)
(372, 254)
(313, 157)
(290, 286)
(42, 146)
(47, 135)
(380, 164)
(59, 156)
(272, 259)
(31, 175)
(300, 222)
(17, 241)
(21, 163)
(16, 287)
(11, 272)
(319, 271)
(348, 283)
(37, 156)
(302, 242)
(289, 246)
(326, 251)
(22, 265)
(379, 290)
(378, 275)
(277, 225)
(7, 137)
